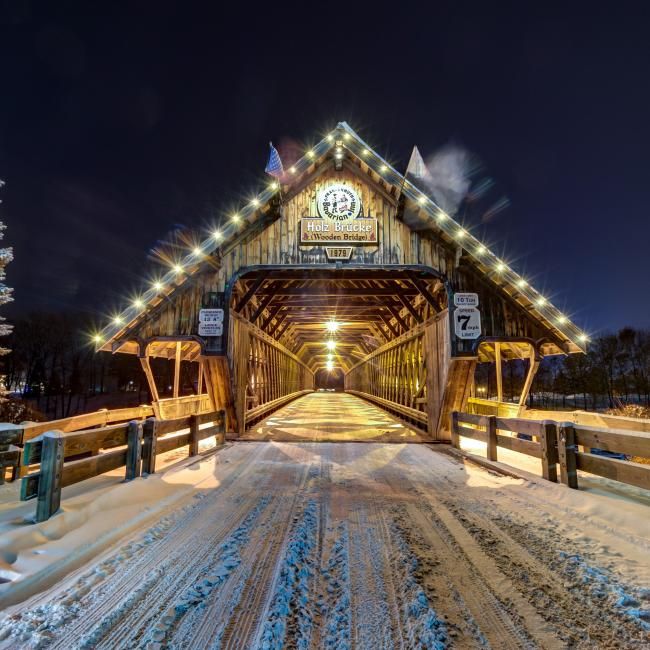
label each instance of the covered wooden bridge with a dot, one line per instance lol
(343, 273)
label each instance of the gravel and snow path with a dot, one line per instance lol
(355, 545)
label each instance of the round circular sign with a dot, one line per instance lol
(338, 202)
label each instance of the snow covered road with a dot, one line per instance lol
(357, 545)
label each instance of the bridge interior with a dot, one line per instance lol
(326, 416)
(357, 329)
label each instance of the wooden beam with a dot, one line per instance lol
(395, 312)
(251, 291)
(389, 325)
(530, 375)
(177, 368)
(407, 303)
(146, 367)
(273, 311)
(498, 370)
(426, 294)
(340, 291)
(261, 307)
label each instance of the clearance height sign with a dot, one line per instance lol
(339, 219)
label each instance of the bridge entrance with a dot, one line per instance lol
(340, 273)
(378, 334)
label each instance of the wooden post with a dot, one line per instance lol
(199, 383)
(146, 367)
(532, 371)
(194, 435)
(455, 438)
(149, 446)
(491, 429)
(498, 370)
(49, 483)
(177, 368)
(133, 450)
(566, 447)
(548, 442)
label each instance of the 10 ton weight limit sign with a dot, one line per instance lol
(467, 318)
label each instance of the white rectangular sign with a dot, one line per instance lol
(211, 316)
(465, 300)
(211, 329)
(467, 322)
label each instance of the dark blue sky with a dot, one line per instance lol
(120, 120)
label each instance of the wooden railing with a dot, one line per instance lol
(480, 406)
(133, 445)
(266, 374)
(565, 444)
(406, 375)
(178, 407)
(14, 436)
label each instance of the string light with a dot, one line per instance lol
(329, 365)
(332, 326)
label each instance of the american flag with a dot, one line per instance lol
(274, 165)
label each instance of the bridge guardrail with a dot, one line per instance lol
(138, 443)
(560, 443)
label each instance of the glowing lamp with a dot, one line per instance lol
(197, 251)
(500, 267)
(157, 286)
(177, 268)
(332, 326)
(331, 345)
(481, 250)
(292, 170)
(541, 301)
(422, 200)
(217, 235)
(97, 338)
(117, 320)
(138, 304)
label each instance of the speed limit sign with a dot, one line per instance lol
(467, 322)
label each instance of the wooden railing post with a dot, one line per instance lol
(133, 450)
(149, 446)
(491, 429)
(455, 438)
(194, 435)
(566, 447)
(548, 442)
(49, 482)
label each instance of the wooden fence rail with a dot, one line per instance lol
(15, 436)
(563, 444)
(138, 443)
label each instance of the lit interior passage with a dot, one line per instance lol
(332, 417)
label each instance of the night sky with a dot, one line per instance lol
(120, 121)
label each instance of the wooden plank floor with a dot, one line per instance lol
(332, 417)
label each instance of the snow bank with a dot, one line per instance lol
(34, 556)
